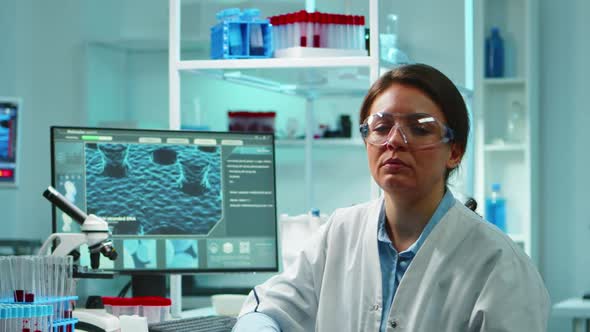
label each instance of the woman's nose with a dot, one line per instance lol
(396, 139)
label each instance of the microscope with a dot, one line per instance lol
(94, 232)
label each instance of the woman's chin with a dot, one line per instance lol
(397, 184)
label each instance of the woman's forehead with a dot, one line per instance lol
(404, 99)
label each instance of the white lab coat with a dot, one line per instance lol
(467, 276)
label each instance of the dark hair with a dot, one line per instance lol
(436, 86)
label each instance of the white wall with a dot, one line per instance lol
(564, 134)
(431, 32)
(8, 54)
(42, 58)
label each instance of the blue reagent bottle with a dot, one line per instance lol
(496, 208)
(494, 61)
(314, 220)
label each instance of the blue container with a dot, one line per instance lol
(496, 208)
(26, 317)
(241, 35)
(64, 325)
(54, 304)
(494, 61)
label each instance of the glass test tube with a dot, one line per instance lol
(29, 278)
(4, 280)
(70, 287)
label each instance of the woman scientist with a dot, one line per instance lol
(415, 259)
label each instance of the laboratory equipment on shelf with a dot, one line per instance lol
(253, 122)
(241, 35)
(94, 232)
(388, 39)
(515, 126)
(496, 207)
(494, 56)
(315, 220)
(297, 34)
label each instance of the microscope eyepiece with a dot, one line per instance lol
(63, 204)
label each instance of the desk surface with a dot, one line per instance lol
(572, 308)
(200, 312)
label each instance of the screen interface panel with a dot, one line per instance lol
(174, 200)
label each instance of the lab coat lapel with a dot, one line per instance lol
(430, 257)
(372, 285)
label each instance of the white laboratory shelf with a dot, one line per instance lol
(322, 142)
(505, 148)
(306, 82)
(271, 63)
(315, 52)
(504, 81)
(496, 101)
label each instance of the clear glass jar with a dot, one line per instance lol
(388, 41)
(516, 124)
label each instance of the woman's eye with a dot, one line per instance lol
(421, 130)
(382, 129)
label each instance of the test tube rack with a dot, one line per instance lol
(49, 307)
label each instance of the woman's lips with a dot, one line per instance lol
(394, 164)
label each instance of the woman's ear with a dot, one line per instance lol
(455, 157)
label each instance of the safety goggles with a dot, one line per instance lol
(417, 130)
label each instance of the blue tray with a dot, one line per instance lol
(232, 40)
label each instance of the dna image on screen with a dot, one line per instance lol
(154, 189)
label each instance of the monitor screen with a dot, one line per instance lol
(8, 141)
(181, 201)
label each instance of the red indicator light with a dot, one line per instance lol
(6, 173)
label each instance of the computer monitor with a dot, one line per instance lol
(176, 201)
(9, 120)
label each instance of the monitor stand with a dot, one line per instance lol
(155, 285)
(148, 285)
(176, 295)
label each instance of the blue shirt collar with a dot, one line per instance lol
(443, 207)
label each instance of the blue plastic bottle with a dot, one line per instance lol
(494, 60)
(496, 208)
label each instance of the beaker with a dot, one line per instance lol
(389, 48)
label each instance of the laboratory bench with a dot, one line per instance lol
(576, 309)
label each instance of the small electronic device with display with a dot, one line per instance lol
(9, 139)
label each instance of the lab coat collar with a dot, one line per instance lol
(443, 207)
